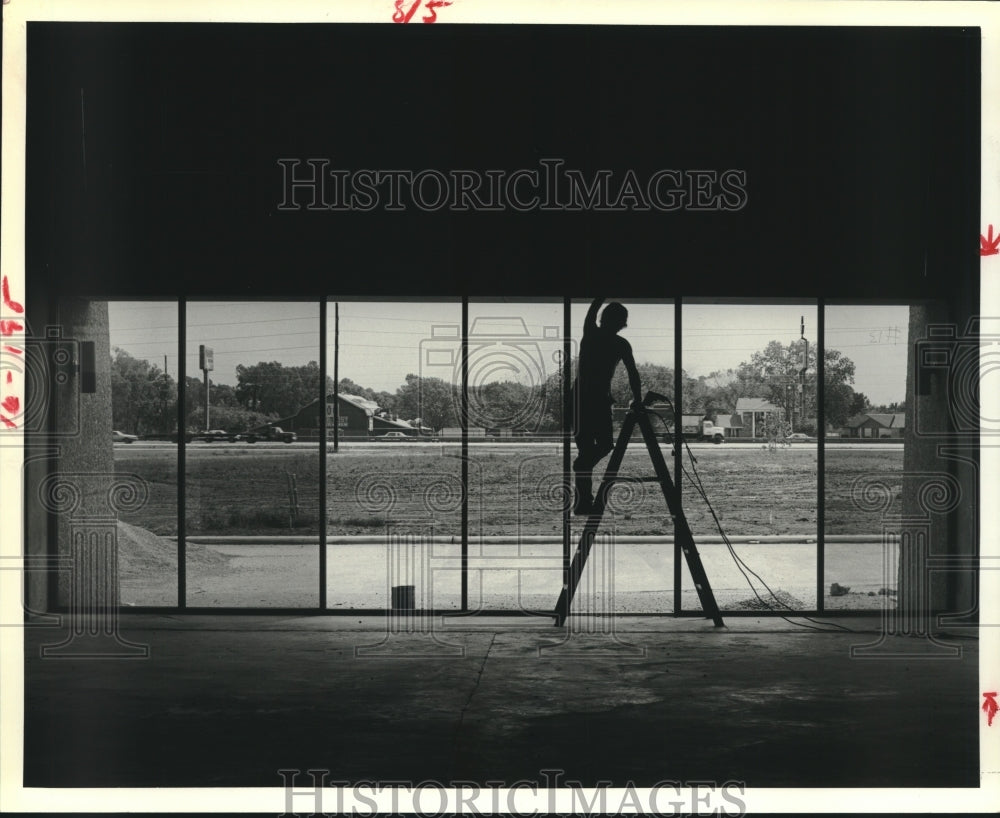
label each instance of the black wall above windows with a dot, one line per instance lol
(153, 153)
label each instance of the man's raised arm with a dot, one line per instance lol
(590, 324)
(633, 374)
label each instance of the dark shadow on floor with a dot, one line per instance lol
(229, 701)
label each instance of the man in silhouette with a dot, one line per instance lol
(600, 351)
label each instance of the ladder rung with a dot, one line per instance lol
(654, 479)
(589, 533)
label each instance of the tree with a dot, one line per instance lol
(840, 397)
(508, 404)
(432, 400)
(886, 408)
(274, 389)
(703, 396)
(775, 430)
(859, 404)
(775, 374)
(143, 397)
(389, 402)
(223, 395)
(348, 387)
(552, 401)
(230, 418)
(725, 388)
(653, 377)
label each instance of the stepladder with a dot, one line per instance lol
(638, 415)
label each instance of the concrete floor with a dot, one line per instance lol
(230, 700)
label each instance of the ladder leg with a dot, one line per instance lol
(682, 530)
(565, 600)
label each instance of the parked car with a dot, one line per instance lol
(123, 437)
(798, 436)
(272, 433)
(390, 437)
(218, 436)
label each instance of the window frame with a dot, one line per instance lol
(322, 608)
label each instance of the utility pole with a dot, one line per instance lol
(804, 365)
(206, 364)
(336, 377)
(559, 369)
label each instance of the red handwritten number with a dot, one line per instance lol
(988, 245)
(400, 16)
(9, 327)
(11, 403)
(990, 707)
(404, 17)
(13, 305)
(434, 4)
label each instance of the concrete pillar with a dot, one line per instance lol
(940, 458)
(80, 490)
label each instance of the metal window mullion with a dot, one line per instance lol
(323, 307)
(181, 454)
(678, 444)
(820, 451)
(53, 600)
(336, 377)
(464, 419)
(567, 415)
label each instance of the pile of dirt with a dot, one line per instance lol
(780, 601)
(141, 551)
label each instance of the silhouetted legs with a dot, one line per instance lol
(594, 440)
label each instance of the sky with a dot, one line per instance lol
(383, 341)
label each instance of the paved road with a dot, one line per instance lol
(199, 449)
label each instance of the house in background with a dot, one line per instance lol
(358, 417)
(733, 424)
(753, 414)
(875, 425)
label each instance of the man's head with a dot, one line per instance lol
(614, 317)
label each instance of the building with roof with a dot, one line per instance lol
(875, 425)
(357, 417)
(753, 414)
(733, 424)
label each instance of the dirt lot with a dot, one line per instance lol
(249, 491)
(257, 491)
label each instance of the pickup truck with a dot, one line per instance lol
(701, 429)
(273, 433)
